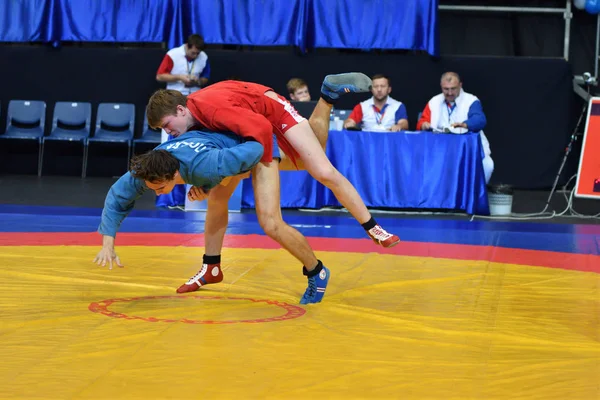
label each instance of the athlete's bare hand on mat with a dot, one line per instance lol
(197, 194)
(107, 254)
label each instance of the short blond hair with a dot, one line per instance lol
(163, 102)
(295, 84)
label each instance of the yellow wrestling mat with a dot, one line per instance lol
(389, 327)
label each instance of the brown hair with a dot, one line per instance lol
(154, 166)
(295, 84)
(195, 40)
(382, 76)
(163, 102)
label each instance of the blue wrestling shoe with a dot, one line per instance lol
(317, 283)
(336, 85)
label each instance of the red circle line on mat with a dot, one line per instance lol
(102, 307)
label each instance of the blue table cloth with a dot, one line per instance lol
(420, 170)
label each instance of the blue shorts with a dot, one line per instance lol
(276, 153)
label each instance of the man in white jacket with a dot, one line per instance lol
(185, 69)
(380, 113)
(457, 111)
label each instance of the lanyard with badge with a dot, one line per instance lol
(379, 114)
(190, 67)
(450, 109)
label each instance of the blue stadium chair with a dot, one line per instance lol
(115, 123)
(25, 120)
(149, 135)
(70, 122)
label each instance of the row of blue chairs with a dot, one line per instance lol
(71, 121)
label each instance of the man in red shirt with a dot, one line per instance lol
(256, 111)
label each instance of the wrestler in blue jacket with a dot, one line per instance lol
(204, 158)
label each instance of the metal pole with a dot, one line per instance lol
(562, 165)
(566, 12)
(567, 15)
(597, 48)
(505, 9)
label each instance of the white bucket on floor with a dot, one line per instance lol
(500, 203)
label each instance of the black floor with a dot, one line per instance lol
(61, 191)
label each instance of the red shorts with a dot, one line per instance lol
(283, 116)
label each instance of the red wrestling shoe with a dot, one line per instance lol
(210, 273)
(382, 238)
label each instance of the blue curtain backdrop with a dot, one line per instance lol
(373, 24)
(356, 24)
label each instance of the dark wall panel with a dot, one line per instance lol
(528, 101)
